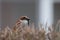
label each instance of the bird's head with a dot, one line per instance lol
(24, 18)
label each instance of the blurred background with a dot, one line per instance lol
(11, 10)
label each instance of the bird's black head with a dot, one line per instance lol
(24, 18)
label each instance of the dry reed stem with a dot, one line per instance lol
(26, 33)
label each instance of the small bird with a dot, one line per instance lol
(24, 20)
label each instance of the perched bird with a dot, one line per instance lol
(24, 20)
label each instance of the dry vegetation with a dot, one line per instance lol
(27, 33)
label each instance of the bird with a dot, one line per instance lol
(24, 20)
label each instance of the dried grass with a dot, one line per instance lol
(27, 33)
(22, 33)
